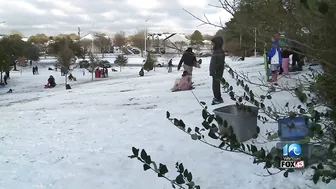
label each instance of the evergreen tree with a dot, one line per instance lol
(150, 62)
(121, 61)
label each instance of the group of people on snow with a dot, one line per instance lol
(216, 69)
(279, 61)
(101, 73)
(35, 70)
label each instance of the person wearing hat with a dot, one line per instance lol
(188, 59)
(275, 60)
(216, 68)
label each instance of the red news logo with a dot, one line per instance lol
(292, 164)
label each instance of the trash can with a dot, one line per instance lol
(243, 120)
(299, 132)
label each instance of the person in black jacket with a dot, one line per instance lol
(51, 82)
(189, 60)
(297, 60)
(217, 65)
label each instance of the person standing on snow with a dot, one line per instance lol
(217, 65)
(188, 59)
(285, 60)
(275, 60)
(170, 66)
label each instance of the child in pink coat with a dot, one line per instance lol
(184, 83)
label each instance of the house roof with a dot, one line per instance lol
(175, 37)
(91, 37)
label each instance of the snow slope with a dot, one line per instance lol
(80, 138)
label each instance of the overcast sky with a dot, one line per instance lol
(65, 16)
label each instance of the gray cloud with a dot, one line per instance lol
(109, 16)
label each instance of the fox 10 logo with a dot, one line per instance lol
(291, 157)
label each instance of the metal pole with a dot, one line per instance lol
(145, 53)
(255, 42)
(92, 39)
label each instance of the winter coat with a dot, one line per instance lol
(296, 54)
(217, 61)
(51, 82)
(285, 53)
(170, 63)
(274, 55)
(187, 58)
(183, 84)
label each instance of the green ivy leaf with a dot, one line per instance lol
(135, 151)
(180, 168)
(146, 167)
(211, 118)
(316, 177)
(268, 164)
(206, 125)
(258, 130)
(189, 130)
(167, 115)
(189, 177)
(219, 120)
(202, 103)
(163, 169)
(145, 157)
(240, 99)
(185, 173)
(179, 179)
(225, 124)
(253, 149)
(212, 135)
(197, 130)
(285, 174)
(269, 97)
(320, 166)
(204, 114)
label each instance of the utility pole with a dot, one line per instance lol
(145, 53)
(255, 42)
(92, 46)
(79, 32)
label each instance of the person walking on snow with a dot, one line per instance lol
(217, 65)
(170, 66)
(188, 59)
(275, 60)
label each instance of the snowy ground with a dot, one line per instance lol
(80, 138)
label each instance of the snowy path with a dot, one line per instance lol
(81, 138)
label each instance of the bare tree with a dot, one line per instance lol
(65, 60)
(102, 42)
(119, 39)
(86, 45)
(138, 40)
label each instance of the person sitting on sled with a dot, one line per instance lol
(51, 82)
(183, 83)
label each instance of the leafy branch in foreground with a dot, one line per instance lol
(183, 180)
